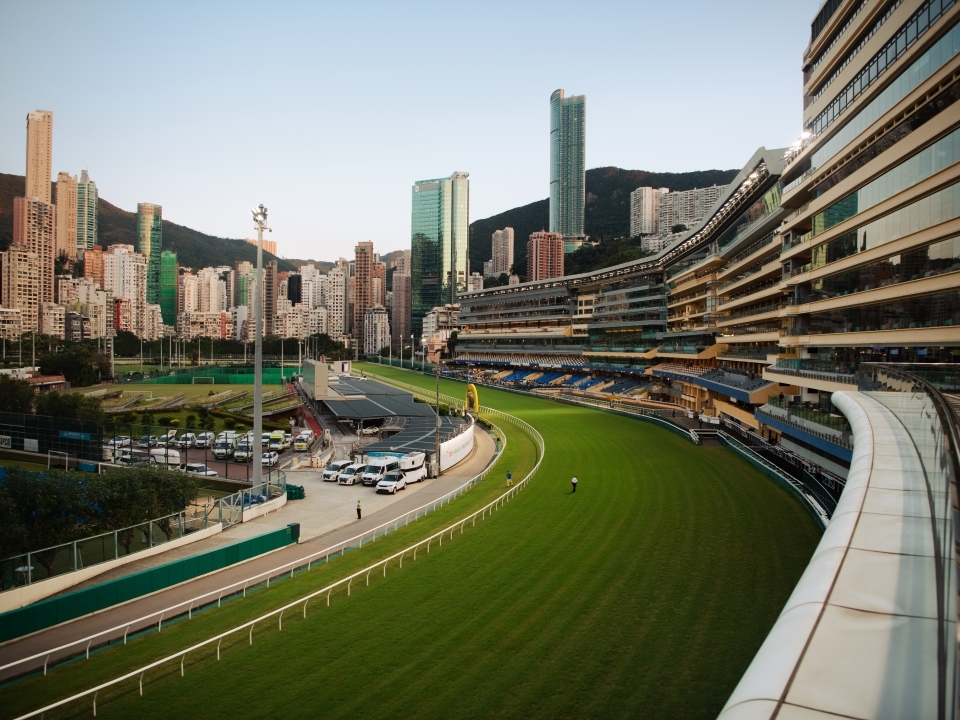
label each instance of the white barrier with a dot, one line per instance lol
(455, 450)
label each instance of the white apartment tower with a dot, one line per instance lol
(502, 251)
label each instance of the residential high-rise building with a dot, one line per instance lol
(645, 210)
(439, 243)
(376, 329)
(501, 251)
(336, 300)
(66, 234)
(378, 277)
(125, 276)
(20, 285)
(269, 246)
(400, 309)
(270, 297)
(475, 282)
(362, 286)
(169, 287)
(87, 199)
(39, 155)
(34, 226)
(188, 294)
(93, 264)
(149, 244)
(52, 318)
(403, 263)
(544, 256)
(568, 178)
(687, 207)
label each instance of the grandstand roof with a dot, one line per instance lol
(365, 399)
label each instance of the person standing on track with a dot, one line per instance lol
(574, 483)
(358, 509)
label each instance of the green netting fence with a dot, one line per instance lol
(56, 610)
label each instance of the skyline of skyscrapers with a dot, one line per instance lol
(567, 163)
(440, 232)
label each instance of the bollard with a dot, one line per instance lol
(251, 634)
(141, 683)
(182, 659)
(280, 623)
(349, 585)
(328, 597)
(218, 651)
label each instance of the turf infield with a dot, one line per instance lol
(644, 594)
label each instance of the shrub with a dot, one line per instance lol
(165, 421)
(191, 420)
(229, 423)
(175, 422)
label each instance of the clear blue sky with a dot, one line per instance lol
(328, 112)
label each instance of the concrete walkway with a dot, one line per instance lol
(327, 511)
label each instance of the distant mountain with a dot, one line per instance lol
(194, 249)
(607, 212)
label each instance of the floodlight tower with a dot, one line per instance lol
(260, 222)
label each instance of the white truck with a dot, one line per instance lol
(414, 468)
(165, 456)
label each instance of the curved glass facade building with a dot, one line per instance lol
(149, 242)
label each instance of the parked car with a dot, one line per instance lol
(198, 469)
(265, 439)
(147, 441)
(269, 459)
(304, 441)
(187, 440)
(120, 441)
(244, 452)
(332, 470)
(350, 475)
(204, 440)
(287, 441)
(370, 430)
(378, 467)
(223, 450)
(276, 441)
(132, 458)
(392, 482)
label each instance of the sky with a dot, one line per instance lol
(327, 113)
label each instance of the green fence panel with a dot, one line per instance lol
(53, 611)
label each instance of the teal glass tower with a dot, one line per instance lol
(87, 198)
(440, 232)
(169, 275)
(149, 244)
(568, 177)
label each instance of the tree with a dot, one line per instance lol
(69, 406)
(452, 343)
(16, 396)
(79, 365)
(123, 499)
(53, 509)
(678, 228)
(498, 281)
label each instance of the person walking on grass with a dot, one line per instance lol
(358, 509)
(574, 483)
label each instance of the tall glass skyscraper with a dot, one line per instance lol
(567, 163)
(169, 272)
(439, 244)
(87, 198)
(149, 242)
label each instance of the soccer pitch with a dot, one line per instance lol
(645, 594)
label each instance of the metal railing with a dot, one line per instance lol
(38, 565)
(241, 587)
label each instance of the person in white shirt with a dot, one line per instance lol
(574, 483)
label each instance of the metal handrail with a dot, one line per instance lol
(293, 565)
(348, 581)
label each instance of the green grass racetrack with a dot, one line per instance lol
(645, 594)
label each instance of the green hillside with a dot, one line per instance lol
(607, 213)
(194, 249)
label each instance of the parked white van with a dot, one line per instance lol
(377, 467)
(351, 474)
(334, 469)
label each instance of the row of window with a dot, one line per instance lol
(929, 161)
(936, 259)
(909, 33)
(940, 310)
(924, 213)
(922, 67)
